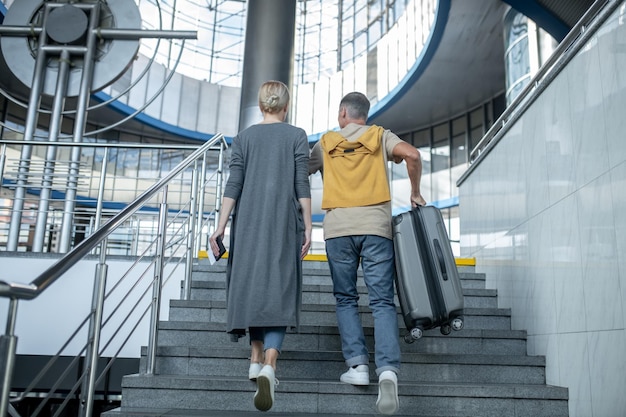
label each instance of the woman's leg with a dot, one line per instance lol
(273, 343)
(256, 352)
(257, 335)
(266, 380)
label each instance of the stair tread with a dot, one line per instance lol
(220, 267)
(317, 355)
(139, 412)
(328, 288)
(325, 329)
(482, 311)
(481, 370)
(405, 388)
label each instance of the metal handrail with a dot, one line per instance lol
(17, 291)
(113, 145)
(49, 276)
(586, 26)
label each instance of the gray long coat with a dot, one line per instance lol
(268, 174)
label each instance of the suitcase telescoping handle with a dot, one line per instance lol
(440, 258)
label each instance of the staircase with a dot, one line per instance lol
(482, 370)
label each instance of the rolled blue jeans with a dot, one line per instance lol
(376, 256)
(272, 337)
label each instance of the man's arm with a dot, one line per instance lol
(409, 154)
(316, 162)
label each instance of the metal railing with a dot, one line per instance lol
(100, 192)
(147, 291)
(566, 50)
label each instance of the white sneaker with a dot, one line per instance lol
(254, 370)
(387, 402)
(359, 375)
(264, 396)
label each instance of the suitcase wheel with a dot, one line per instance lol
(457, 324)
(414, 334)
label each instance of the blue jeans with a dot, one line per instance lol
(272, 337)
(377, 261)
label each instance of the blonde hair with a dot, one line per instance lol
(273, 97)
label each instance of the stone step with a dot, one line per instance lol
(324, 315)
(323, 294)
(473, 341)
(481, 370)
(143, 412)
(318, 365)
(318, 275)
(324, 398)
(472, 280)
(203, 265)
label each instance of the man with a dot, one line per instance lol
(357, 228)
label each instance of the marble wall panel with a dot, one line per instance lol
(561, 265)
(612, 57)
(573, 359)
(603, 306)
(587, 121)
(607, 388)
(618, 185)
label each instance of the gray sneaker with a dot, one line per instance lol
(264, 395)
(359, 375)
(387, 402)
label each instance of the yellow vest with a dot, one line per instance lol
(354, 172)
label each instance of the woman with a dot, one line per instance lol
(269, 196)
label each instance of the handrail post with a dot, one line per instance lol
(30, 126)
(95, 330)
(218, 188)
(80, 121)
(51, 153)
(3, 158)
(202, 192)
(103, 175)
(156, 287)
(100, 201)
(191, 230)
(8, 346)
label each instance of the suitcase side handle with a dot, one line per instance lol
(440, 259)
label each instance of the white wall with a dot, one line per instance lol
(185, 102)
(45, 323)
(545, 216)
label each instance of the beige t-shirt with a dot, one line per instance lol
(366, 220)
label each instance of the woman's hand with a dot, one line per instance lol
(306, 245)
(227, 207)
(219, 232)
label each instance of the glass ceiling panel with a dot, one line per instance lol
(323, 45)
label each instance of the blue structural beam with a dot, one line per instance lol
(80, 200)
(421, 63)
(542, 17)
(416, 71)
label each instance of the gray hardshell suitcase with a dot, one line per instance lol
(427, 280)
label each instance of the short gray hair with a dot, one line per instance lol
(357, 105)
